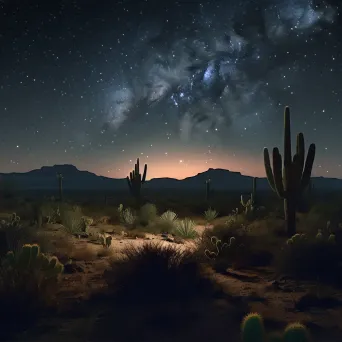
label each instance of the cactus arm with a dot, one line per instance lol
(243, 202)
(129, 183)
(278, 179)
(144, 174)
(287, 137)
(137, 167)
(287, 170)
(300, 151)
(268, 169)
(308, 166)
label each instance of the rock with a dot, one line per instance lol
(73, 268)
(168, 238)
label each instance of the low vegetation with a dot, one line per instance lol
(138, 270)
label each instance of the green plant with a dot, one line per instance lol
(169, 216)
(12, 234)
(295, 178)
(210, 215)
(252, 330)
(135, 181)
(185, 229)
(74, 222)
(311, 257)
(147, 214)
(28, 284)
(50, 211)
(218, 247)
(250, 204)
(127, 216)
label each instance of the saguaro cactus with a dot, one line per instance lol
(250, 204)
(207, 190)
(290, 183)
(60, 185)
(135, 181)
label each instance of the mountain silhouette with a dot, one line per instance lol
(45, 178)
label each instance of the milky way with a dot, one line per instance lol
(209, 70)
(183, 85)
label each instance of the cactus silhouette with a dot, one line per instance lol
(293, 180)
(207, 190)
(60, 185)
(135, 181)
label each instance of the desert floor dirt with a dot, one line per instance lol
(280, 302)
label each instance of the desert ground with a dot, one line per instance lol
(162, 278)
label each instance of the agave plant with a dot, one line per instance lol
(169, 216)
(186, 229)
(210, 215)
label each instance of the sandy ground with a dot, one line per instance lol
(248, 291)
(119, 243)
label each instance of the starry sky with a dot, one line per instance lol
(185, 86)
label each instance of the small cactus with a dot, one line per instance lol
(295, 332)
(252, 328)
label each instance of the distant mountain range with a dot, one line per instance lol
(74, 179)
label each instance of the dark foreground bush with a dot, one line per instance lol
(235, 248)
(155, 273)
(28, 283)
(316, 258)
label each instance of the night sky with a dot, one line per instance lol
(184, 86)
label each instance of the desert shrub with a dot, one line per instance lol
(127, 216)
(169, 216)
(147, 214)
(73, 220)
(186, 229)
(210, 215)
(28, 281)
(14, 233)
(251, 247)
(161, 226)
(50, 211)
(166, 223)
(317, 258)
(155, 273)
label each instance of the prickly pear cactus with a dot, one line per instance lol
(30, 261)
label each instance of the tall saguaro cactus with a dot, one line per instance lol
(290, 182)
(60, 185)
(207, 189)
(135, 181)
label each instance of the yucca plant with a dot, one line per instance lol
(169, 216)
(186, 229)
(210, 215)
